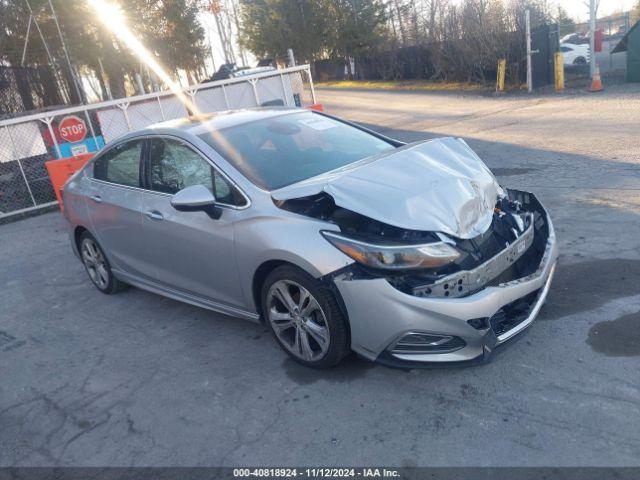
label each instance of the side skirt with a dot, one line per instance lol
(185, 297)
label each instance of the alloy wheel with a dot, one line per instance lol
(95, 263)
(298, 320)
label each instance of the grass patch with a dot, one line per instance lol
(405, 85)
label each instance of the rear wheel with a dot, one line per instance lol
(97, 266)
(304, 318)
(580, 61)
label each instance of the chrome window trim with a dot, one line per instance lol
(142, 190)
(112, 184)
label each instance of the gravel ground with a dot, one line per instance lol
(137, 379)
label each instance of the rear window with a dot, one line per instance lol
(285, 149)
(120, 164)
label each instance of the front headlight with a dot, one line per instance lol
(394, 257)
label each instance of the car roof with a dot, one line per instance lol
(202, 123)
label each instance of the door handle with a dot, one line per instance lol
(96, 198)
(155, 215)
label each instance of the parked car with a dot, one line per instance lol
(575, 39)
(575, 54)
(230, 70)
(337, 237)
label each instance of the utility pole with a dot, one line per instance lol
(74, 77)
(593, 8)
(527, 18)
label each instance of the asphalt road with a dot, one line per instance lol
(137, 379)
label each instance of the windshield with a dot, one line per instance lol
(285, 149)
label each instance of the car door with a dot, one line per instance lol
(191, 251)
(114, 204)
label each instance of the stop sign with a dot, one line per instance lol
(72, 129)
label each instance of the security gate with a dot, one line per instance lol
(544, 44)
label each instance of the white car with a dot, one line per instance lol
(575, 54)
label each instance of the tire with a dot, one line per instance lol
(307, 321)
(97, 265)
(580, 61)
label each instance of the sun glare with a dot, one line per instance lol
(113, 19)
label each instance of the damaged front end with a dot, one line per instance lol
(510, 249)
(455, 312)
(447, 264)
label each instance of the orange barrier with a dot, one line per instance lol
(316, 106)
(60, 171)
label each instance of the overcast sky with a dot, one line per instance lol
(580, 11)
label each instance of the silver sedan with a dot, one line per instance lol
(338, 238)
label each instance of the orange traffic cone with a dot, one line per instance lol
(596, 83)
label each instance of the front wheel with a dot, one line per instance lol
(304, 318)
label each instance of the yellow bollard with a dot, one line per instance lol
(559, 71)
(502, 70)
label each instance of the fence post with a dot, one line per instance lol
(255, 90)
(123, 107)
(527, 18)
(284, 90)
(559, 71)
(192, 96)
(502, 70)
(48, 121)
(161, 109)
(313, 92)
(226, 99)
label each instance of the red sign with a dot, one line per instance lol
(597, 46)
(72, 129)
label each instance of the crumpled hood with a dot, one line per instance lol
(439, 185)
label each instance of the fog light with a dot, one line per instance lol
(427, 343)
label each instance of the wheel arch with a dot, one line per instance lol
(265, 268)
(259, 276)
(77, 233)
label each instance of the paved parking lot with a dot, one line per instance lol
(137, 379)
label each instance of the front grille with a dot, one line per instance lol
(513, 314)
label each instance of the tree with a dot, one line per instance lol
(269, 27)
(357, 26)
(312, 28)
(168, 28)
(565, 22)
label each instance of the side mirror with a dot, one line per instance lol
(193, 199)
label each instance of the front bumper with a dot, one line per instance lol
(380, 314)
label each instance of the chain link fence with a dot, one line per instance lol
(26, 143)
(31, 88)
